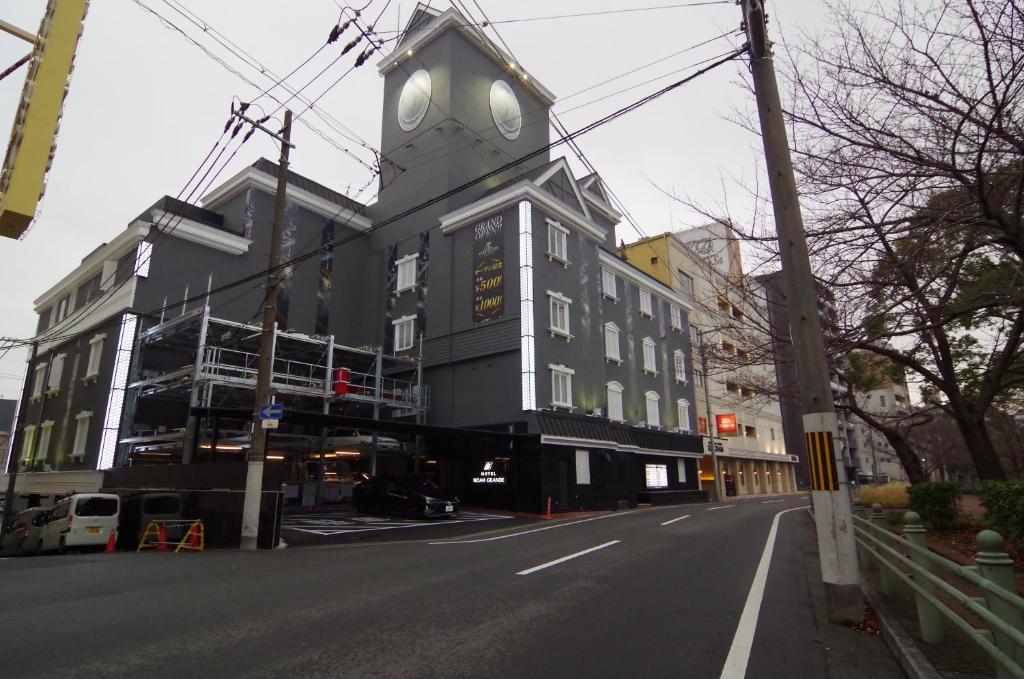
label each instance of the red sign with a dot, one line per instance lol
(726, 424)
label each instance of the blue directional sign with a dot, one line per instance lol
(271, 411)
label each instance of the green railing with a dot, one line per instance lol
(905, 559)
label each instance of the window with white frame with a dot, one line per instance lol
(559, 305)
(95, 354)
(646, 303)
(56, 372)
(558, 242)
(681, 468)
(614, 390)
(405, 332)
(83, 418)
(561, 385)
(694, 335)
(653, 408)
(683, 410)
(26, 442)
(38, 383)
(650, 356)
(609, 286)
(406, 273)
(44, 440)
(680, 365)
(677, 317)
(611, 342)
(583, 467)
(60, 312)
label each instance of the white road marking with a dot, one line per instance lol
(711, 509)
(566, 558)
(678, 518)
(771, 502)
(527, 532)
(739, 653)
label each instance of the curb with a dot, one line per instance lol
(900, 644)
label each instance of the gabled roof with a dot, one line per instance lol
(597, 195)
(419, 33)
(539, 176)
(531, 175)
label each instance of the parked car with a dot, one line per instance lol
(138, 510)
(79, 521)
(24, 531)
(412, 497)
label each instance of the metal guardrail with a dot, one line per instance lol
(905, 559)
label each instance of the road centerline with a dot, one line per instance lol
(678, 518)
(711, 509)
(563, 559)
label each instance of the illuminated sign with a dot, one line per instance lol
(488, 474)
(488, 270)
(34, 134)
(726, 424)
(656, 475)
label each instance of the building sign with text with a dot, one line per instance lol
(726, 424)
(488, 269)
(490, 472)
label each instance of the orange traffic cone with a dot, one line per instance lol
(194, 538)
(111, 543)
(163, 546)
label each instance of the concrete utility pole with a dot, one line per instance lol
(829, 490)
(258, 439)
(17, 437)
(712, 429)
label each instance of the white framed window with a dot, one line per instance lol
(559, 306)
(653, 402)
(694, 335)
(405, 332)
(609, 286)
(677, 317)
(583, 467)
(95, 354)
(650, 356)
(27, 440)
(683, 411)
(84, 419)
(60, 312)
(406, 272)
(681, 468)
(558, 242)
(56, 372)
(611, 342)
(44, 440)
(646, 303)
(614, 391)
(656, 475)
(40, 379)
(561, 385)
(679, 358)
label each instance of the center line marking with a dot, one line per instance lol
(711, 509)
(678, 518)
(566, 558)
(771, 502)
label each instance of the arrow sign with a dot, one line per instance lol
(271, 411)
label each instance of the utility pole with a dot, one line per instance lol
(258, 438)
(17, 439)
(712, 433)
(829, 485)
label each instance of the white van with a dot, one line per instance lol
(82, 520)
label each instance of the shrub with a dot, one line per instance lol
(887, 495)
(1004, 507)
(936, 502)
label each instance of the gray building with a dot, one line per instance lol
(479, 293)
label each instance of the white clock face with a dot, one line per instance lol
(505, 110)
(414, 100)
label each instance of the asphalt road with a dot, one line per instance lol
(644, 596)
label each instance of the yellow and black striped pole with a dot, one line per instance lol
(821, 460)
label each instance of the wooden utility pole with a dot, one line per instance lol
(829, 485)
(17, 439)
(258, 439)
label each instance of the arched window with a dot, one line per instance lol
(611, 342)
(650, 359)
(614, 390)
(680, 365)
(683, 409)
(653, 412)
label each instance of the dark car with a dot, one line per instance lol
(411, 497)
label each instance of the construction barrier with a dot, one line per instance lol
(155, 537)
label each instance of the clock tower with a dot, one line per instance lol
(456, 107)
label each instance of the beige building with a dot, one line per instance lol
(871, 453)
(735, 387)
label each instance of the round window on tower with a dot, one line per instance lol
(414, 100)
(505, 110)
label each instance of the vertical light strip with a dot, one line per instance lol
(142, 257)
(529, 369)
(115, 397)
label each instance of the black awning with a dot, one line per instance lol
(600, 429)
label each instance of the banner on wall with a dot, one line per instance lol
(488, 270)
(726, 424)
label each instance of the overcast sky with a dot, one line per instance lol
(145, 106)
